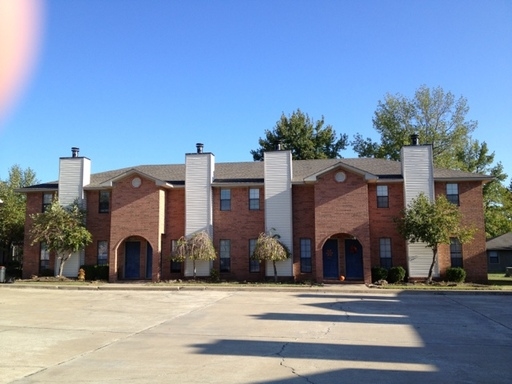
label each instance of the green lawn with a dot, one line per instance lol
(500, 279)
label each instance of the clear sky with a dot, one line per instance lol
(134, 82)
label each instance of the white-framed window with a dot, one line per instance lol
(176, 266)
(386, 261)
(104, 202)
(305, 256)
(382, 196)
(225, 255)
(47, 200)
(225, 199)
(44, 258)
(102, 252)
(452, 193)
(455, 252)
(254, 199)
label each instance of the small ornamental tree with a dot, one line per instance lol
(62, 230)
(433, 223)
(269, 248)
(198, 247)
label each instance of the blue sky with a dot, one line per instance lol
(134, 82)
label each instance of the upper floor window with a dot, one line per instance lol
(225, 199)
(102, 252)
(104, 205)
(382, 196)
(305, 256)
(455, 252)
(254, 198)
(254, 265)
(452, 193)
(47, 200)
(386, 260)
(225, 255)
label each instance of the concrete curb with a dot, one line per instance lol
(334, 288)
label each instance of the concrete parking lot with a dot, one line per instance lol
(301, 336)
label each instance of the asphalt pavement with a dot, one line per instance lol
(133, 334)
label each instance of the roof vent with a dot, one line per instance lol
(199, 147)
(74, 151)
(415, 139)
(279, 145)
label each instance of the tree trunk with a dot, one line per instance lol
(63, 259)
(431, 270)
(194, 267)
(275, 271)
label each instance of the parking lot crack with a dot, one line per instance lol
(281, 354)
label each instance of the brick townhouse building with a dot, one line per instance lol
(335, 215)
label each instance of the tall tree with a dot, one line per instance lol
(433, 223)
(435, 115)
(305, 137)
(13, 207)
(62, 230)
(198, 246)
(269, 248)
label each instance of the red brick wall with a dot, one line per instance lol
(473, 252)
(174, 228)
(98, 224)
(342, 208)
(382, 224)
(303, 226)
(31, 253)
(135, 212)
(239, 225)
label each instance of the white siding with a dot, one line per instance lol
(418, 174)
(71, 266)
(198, 202)
(74, 174)
(278, 204)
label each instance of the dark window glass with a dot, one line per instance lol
(254, 265)
(104, 206)
(493, 257)
(175, 265)
(225, 199)
(47, 200)
(225, 258)
(386, 260)
(102, 252)
(382, 196)
(452, 193)
(254, 199)
(305, 256)
(455, 252)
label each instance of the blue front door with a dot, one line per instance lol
(354, 259)
(330, 259)
(132, 260)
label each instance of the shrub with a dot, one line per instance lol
(379, 273)
(95, 272)
(396, 274)
(456, 275)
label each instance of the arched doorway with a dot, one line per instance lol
(342, 255)
(135, 259)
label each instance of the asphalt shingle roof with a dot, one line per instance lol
(253, 172)
(500, 243)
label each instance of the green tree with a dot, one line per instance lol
(199, 246)
(13, 207)
(433, 223)
(62, 230)
(269, 248)
(435, 115)
(305, 137)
